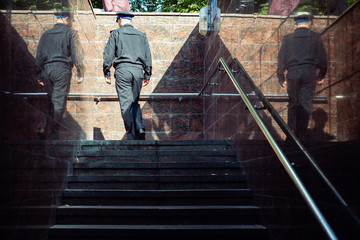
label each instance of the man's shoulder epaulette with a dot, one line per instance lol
(115, 30)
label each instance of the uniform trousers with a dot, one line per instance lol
(57, 84)
(301, 84)
(128, 87)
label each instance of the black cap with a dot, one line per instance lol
(303, 17)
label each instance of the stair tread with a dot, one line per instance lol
(151, 227)
(158, 207)
(155, 142)
(160, 190)
(112, 178)
(160, 194)
(97, 153)
(160, 165)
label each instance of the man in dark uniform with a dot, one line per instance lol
(128, 51)
(301, 54)
(58, 51)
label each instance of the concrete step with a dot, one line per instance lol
(191, 232)
(148, 157)
(136, 169)
(119, 197)
(155, 145)
(150, 215)
(159, 153)
(158, 182)
(170, 165)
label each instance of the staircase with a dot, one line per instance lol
(157, 190)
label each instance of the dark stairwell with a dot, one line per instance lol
(157, 190)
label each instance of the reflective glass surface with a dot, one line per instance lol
(331, 134)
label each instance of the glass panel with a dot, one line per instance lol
(332, 131)
(34, 163)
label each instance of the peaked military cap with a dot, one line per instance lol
(64, 14)
(303, 17)
(124, 14)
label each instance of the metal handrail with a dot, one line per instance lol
(278, 96)
(289, 133)
(103, 96)
(207, 82)
(98, 97)
(323, 98)
(297, 181)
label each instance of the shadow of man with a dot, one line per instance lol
(317, 133)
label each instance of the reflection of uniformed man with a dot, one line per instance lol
(301, 54)
(58, 51)
(128, 51)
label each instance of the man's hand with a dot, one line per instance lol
(320, 81)
(145, 82)
(284, 84)
(80, 80)
(108, 80)
(41, 82)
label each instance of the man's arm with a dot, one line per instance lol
(147, 64)
(282, 64)
(322, 59)
(39, 62)
(109, 55)
(77, 55)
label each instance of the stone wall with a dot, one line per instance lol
(344, 85)
(177, 54)
(182, 60)
(255, 42)
(22, 31)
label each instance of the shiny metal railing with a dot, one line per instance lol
(267, 96)
(98, 97)
(283, 159)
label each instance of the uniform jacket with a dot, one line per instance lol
(130, 47)
(300, 48)
(60, 44)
